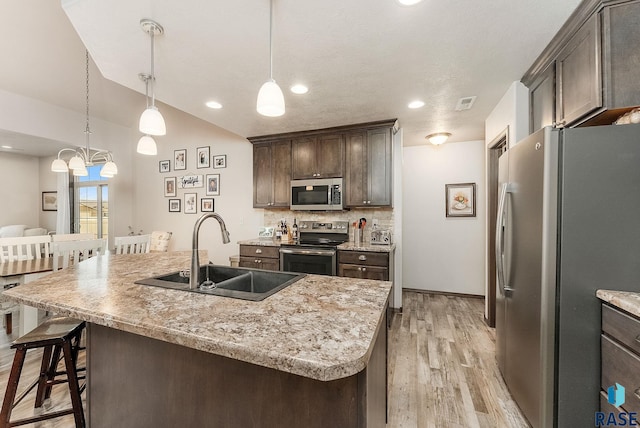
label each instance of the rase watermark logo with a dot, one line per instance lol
(615, 397)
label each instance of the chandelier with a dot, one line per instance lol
(85, 156)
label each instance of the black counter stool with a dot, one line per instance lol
(56, 335)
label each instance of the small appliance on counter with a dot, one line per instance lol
(380, 237)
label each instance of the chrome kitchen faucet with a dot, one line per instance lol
(194, 278)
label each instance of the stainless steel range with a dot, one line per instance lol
(315, 252)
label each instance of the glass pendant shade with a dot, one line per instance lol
(270, 100)
(109, 169)
(147, 146)
(59, 165)
(76, 162)
(152, 122)
(80, 172)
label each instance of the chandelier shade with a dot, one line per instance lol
(147, 146)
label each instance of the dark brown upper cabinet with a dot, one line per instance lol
(317, 156)
(272, 174)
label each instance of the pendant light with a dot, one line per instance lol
(84, 156)
(270, 98)
(151, 121)
(146, 144)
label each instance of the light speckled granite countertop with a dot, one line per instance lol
(349, 245)
(625, 300)
(320, 327)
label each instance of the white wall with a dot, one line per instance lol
(235, 203)
(440, 253)
(20, 191)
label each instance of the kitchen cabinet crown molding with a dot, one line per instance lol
(336, 129)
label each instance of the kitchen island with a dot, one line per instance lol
(313, 354)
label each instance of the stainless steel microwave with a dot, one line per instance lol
(321, 194)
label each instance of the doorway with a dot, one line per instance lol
(497, 147)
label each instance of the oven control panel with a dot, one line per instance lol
(324, 227)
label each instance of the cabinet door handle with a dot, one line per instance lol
(362, 257)
(258, 250)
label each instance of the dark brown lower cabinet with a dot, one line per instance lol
(135, 381)
(363, 265)
(259, 257)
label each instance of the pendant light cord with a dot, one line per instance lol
(152, 33)
(271, 40)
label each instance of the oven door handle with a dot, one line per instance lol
(308, 252)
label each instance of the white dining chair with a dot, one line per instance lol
(24, 248)
(134, 244)
(66, 253)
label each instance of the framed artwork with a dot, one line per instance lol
(190, 181)
(190, 203)
(213, 184)
(174, 205)
(164, 166)
(202, 157)
(49, 201)
(170, 186)
(220, 161)
(179, 159)
(460, 199)
(206, 205)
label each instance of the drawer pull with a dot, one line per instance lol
(637, 393)
(258, 251)
(362, 257)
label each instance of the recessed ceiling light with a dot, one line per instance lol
(409, 2)
(299, 89)
(213, 104)
(416, 104)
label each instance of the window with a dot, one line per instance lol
(91, 203)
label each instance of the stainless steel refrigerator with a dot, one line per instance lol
(568, 224)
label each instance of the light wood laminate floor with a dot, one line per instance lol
(442, 369)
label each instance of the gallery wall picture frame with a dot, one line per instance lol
(170, 187)
(460, 199)
(180, 159)
(219, 161)
(164, 166)
(203, 157)
(49, 201)
(174, 205)
(212, 184)
(206, 205)
(190, 203)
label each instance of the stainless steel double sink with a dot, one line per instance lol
(238, 283)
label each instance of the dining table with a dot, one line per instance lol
(22, 272)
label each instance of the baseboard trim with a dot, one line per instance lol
(445, 293)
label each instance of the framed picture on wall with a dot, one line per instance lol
(190, 203)
(174, 205)
(460, 199)
(164, 166)
(202, 157)
(179, 159)
(49, 201)
(170, 186)
(206, 205)
(220, 161)
(212, 184)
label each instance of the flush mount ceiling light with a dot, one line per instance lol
(409, 2)
(213, 104)
(84, 157)
(299, 89)
(438, 138)
(270, 98)
(416, 104)
(151, 121)
(146, 143)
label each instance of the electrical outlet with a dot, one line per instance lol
(374, 222)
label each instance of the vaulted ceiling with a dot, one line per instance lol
(363, 60)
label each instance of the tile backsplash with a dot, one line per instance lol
(384, 216)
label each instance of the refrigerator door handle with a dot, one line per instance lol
(500, 239)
